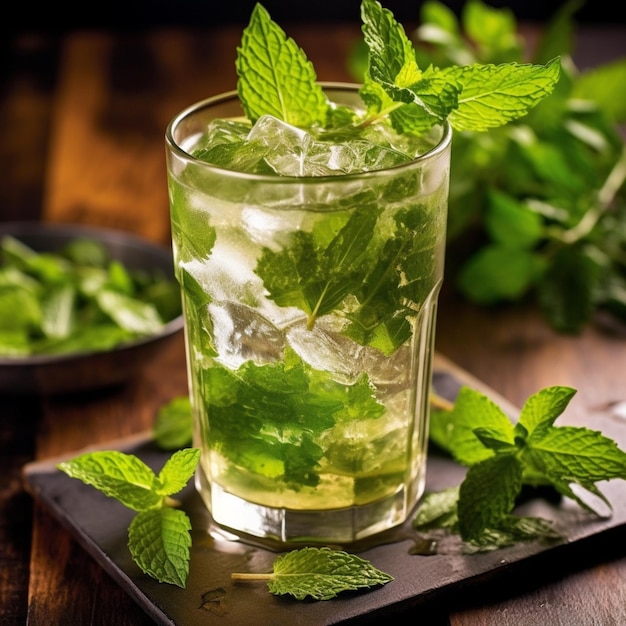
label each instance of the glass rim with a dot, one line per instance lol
(439, 147)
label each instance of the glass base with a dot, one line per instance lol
(334, 526)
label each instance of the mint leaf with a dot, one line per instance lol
(510, 222)
(130, 313)
(275, 77)
(454, 430)
(567, 288)
(601, 86)
(493, 30)
(494, 95)
(173, 426)
(496, 273)
(158, 536)
(488, 494)
(117, 475)
(159, 542)
(318, 573)
(437, 510)
(177, 471)
(542, 408)
(574, 455)
(392, 58)
(58, 311)
(510, 531)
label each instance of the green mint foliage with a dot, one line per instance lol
(319, 573)
(488, 493)
(77, 299)
(453, 430)
(173, 426)
(117, 475)
(317, 278)
(475, 97)
(439, 511)
(275, 77)
(494, 95)
(256, 403)
(394, 84)
(316, 275)
(562, 166)
(159, 541)
(502, 456)
(158, 537)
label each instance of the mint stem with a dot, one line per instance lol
(250, 576)
(606, 196)
(372, 119)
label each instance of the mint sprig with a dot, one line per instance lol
(158, 536)
(503, 457)
(275, 77)
(318, 573)
(475, 97)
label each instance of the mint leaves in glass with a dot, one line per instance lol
(308, 226)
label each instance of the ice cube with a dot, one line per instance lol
(223, 139)
(285, 145)
(294, 152)
(325, 348)
(243, 334)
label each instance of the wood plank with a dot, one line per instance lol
(105, 166)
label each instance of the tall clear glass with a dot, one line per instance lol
(310, 307)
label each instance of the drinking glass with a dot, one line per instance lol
(310, 308)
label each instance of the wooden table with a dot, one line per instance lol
(83, 117)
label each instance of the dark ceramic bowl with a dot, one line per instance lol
(53, 374)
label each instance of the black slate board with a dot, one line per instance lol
(100, 525)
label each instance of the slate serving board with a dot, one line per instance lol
(100, 525)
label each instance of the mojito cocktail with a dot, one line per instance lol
(310, 266)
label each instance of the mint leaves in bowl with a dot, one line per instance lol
(81, 307)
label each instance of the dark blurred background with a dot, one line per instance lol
(133, 14)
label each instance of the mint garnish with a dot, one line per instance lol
(318, 573)
(502, 457)
(275, 76)
(158, 537)
(494, 95)
(474, 97)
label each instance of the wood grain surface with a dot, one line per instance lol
(83, 118)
